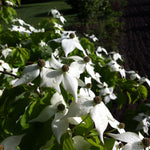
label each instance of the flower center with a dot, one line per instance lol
(146, 142)
(41, 63)
(86, 59)
(89, 85)
(71, 35)
(65, 68)
(97, 100)
(0, 63)
(61, 107)
(1, 147)
(121, 125)
(121, 145)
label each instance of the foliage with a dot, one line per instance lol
(58, 91)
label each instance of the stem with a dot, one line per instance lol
(4, 72)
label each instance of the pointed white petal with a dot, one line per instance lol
(134, 146)
(54, 63)
(70, 84)
(57, 98)
(59, 126)
(81, 108)
(128, 137)
(75, 120)
(68, 46)
(51, 78)
(45, 114)
(100, 119)
(76, 68)
(76, 58)
(94, 75)
(11, 142)
(29, 74)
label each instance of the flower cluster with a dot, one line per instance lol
(79, 82)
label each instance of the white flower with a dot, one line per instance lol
(93, 37)
(98, 112)
(107, 92)
(58, 108)
(116, 56)
(43, 44)
(133, 140)
(20, 29)
(31, 72)
(55, 13)
(85, 64)
(6, 52)
(21, 22)
(4, 66)
(9, 3)
(62, 19)
(144, 79)
(70, 44)
(144, 122)
(114, 66)
(87, 88)
(101, 49)
(61, 73)
(11, 142)
(133, 75)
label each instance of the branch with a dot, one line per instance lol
(8, 73)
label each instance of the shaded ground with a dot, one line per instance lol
(135, 45)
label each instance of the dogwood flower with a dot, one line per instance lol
(133, 75)
(114, 66)
(58, 108)
(97, 110)
(4, 66)
(133, 140)
(144, 122)
(101, 49)
(31, 72)
(6, 52)
(144, 79)
(93, 37)
(87, 87)
(61, 73)
(11, 142)
(70, 44)
(20, 29)
(107, 92)
(85, 64)
(116, 56)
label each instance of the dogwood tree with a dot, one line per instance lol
(60, 91)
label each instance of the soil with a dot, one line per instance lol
(135, 46)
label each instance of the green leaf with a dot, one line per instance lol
(108, 143)
(67, 142)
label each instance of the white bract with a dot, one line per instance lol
(133, 140)
(31, 72)
(114, 66)
(144, 122)
(107, 92)
(61, 73)
(58, 108)
(71, 43)
(11, 142)
(85, 64)
(98, 112)
(4, 66)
